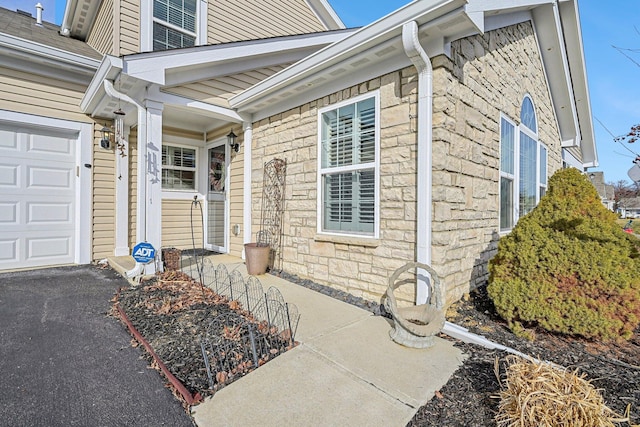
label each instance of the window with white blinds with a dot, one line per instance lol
(174, 24)
(348, 167)
(523, 166)
(178, 168)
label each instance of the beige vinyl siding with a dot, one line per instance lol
(236, 188)
(218, 91)
(129, 28)
(133, 185)
(102, 33)
(575, 152)
(28, 93)
(176, 224)
(231, 20)
(103, 239)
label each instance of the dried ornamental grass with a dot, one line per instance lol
(536, 394)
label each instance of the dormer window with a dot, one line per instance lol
(174, 24)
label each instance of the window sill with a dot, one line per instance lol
(368, 242)
(180, 195)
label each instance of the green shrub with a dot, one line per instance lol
(568, 267)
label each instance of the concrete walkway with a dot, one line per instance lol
(345, 372)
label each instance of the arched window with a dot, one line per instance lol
(523, 166)
(528, 114)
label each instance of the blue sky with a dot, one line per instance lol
(613, 78)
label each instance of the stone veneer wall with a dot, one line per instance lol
(359, 266)
(486, 75)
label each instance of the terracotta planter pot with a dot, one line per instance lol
(256, 258)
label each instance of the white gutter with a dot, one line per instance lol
(141, 217)
(64, 58)
(422, 62)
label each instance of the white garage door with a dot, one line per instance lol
(37, 197)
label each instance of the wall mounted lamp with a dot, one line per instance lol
(105, 142)
(231, 139)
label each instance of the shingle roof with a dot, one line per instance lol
(24, 26)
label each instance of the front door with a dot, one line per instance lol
(217, 207)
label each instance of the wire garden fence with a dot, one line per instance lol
(261, 326)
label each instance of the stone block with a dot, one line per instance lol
(323, 249)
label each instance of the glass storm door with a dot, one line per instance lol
(217, 198)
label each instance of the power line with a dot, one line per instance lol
(615, 138)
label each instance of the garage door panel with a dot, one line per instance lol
(49, 213)
(8, 140)
(42, 177)
(8, 251)
(9, 213)
(9, 175)
(58, 248)
(41, 144)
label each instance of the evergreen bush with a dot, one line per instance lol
(568, 267)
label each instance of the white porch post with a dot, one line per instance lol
(153, 178)
(122, 195)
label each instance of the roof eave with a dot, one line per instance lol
(326, 14)
(381, 31)
(154, 66)
(65, 65)
(109, 69)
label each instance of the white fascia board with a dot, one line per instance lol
(552, 46)
(570, 18)
(315, 92)
(186, 75)
(326, 14)
(61, 57)
(494, 22)
(503, 5)
(153, 66)
(108, 69)
(214, 111)
(388, 27)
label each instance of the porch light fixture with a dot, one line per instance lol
(105, 142)
(231, 139)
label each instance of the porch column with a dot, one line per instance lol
(122, 194)
(153, 177)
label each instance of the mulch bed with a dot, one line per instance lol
(172, 312)
(172, 317)
(468, 398)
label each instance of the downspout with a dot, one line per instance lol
(247, 127)
(424, 197)
(66, 24)
(141, 226)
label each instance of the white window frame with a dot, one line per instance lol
(521, 129)
(350, 168)
(147, 20)
(513, 177)
(195, 169)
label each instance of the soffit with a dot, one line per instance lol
(217, 91)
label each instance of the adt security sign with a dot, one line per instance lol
(144, 253)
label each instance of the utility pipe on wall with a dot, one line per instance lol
(422, 62)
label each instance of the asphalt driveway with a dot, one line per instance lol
(64, 362)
